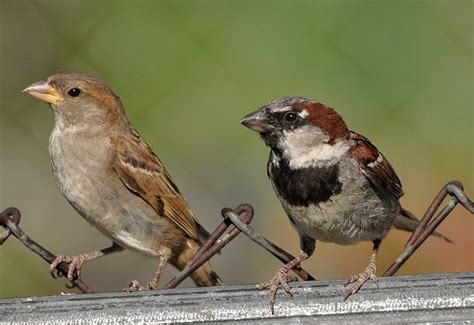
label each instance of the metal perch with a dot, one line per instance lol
(239, 219)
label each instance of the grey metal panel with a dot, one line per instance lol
(430, 298)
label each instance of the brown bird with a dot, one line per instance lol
(113, 179)
(334, 185)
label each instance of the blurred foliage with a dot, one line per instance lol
(400, 72)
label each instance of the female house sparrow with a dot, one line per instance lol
(114, 180)
(334, 185)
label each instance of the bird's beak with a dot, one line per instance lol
(44, 91)
(258, 121)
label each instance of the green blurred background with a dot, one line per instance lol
(400, 72)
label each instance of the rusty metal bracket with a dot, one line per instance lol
(276, 251)
(430, 222)
(9, 220)
(238, 220)
(213, 245)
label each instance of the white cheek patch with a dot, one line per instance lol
(320, 153)
(307, 147)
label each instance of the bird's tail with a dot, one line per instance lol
(204, 276)
(408, 222)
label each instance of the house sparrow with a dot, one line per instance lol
(334, 185)
(113, 179)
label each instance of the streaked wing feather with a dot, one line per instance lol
(143, 174)
(375, 166)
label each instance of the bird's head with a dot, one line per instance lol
(300, 129)
(78, 98)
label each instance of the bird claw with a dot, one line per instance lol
(136, 286)
(152, 285)
(358, 280)
(56, 273)
(281, 278)
(133, 286)
(74, 269)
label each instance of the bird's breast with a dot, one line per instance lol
(79, 165)
(332, 203)
(303, 186)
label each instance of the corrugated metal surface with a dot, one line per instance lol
(430, 298)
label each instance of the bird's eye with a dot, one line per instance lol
(74, 92)
(291, 117)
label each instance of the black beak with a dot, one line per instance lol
(257, 121)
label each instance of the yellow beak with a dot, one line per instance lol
(44, 91)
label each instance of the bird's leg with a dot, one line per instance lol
(358, 280)
(153, 285)
(77, 262)
(282, 278)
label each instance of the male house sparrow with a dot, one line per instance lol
(114, 180)
(334, 185)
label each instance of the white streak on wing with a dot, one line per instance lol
(376, 162)
(134, 169)
(133, 243)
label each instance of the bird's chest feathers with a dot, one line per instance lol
(78, 166)
(304, 186)
(329, 202)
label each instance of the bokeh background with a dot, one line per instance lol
(400, 72)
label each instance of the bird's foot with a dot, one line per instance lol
(74, 269)
(152, 285)
(134, 286)
(357, 281)
(281, 278)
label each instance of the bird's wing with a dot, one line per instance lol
(144, 175)
(375, 166)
